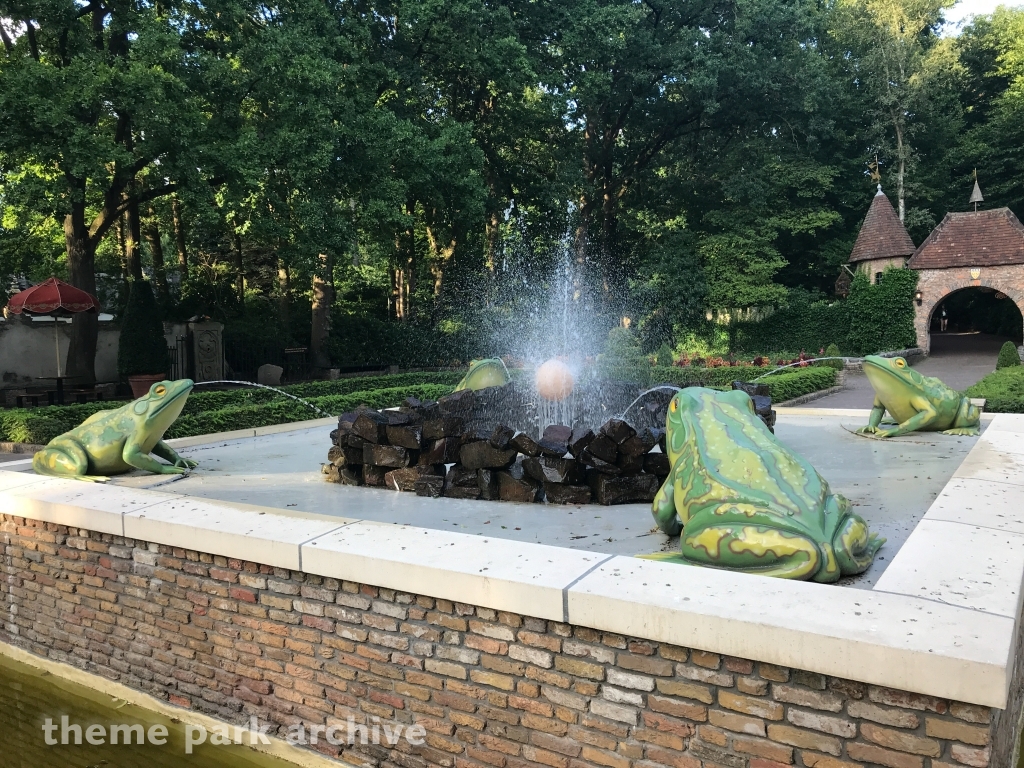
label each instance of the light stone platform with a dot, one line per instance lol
(941, 619)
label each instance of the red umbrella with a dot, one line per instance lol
(55, 298)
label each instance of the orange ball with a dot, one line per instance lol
(554, 380)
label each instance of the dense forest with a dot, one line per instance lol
(340, 173)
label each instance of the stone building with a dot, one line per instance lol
(882, 241)
(974, 249)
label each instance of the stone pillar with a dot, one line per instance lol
(207, 341)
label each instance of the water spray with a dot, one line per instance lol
(264, 386)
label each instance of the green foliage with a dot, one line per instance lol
(785, 385)
(28, 427)
(882, 315)
(664, 356)
(283, 410)
(804, 324)
(1003, 390)
(1008, 356)
(207, 412)
(833, 351)
(142, 348)
(623, 359)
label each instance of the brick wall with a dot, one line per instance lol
(936, 284)
(493, 689)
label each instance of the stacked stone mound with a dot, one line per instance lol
(444, 448)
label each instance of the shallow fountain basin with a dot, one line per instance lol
(936, 614)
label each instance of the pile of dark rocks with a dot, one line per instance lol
(445, 448)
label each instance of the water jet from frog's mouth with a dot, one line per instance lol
(265, 386)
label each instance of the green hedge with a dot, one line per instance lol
(250, 408)
(1003, 390)
(785, 385)
(874, 318)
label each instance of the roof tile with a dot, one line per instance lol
(882, 235)
(973, 239)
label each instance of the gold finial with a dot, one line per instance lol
(876, 175)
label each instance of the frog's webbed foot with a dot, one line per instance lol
(855, 546)
(969, 431)
(869, 430)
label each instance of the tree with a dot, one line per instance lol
(104, 108)
(889, 42)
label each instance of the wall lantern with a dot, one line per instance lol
(919, 298)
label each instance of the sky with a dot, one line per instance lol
(963, 10)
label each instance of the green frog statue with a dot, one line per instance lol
(490, 372)
(916, 402)
(742, 501)
(115, 441)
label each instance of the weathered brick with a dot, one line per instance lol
(814, 760)
(531, 655)
(579, 668)
(837, 726)
(748, 705)
(676, 708)
(732, 721)
(901, 740)
(953, 731)
(765, 748)
(972, 713)
(600, 757)
(906, 700)
(976, 757)
(899, 718)
(869, 753)
(649, 665)
(619, 712)
(798, 737)
(693, 691)
(630, 680)
(825, 700)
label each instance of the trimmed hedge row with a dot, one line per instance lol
(783, 386)
(284, 410)
(1003, 390)
(207, 412)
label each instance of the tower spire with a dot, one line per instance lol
(976, 196)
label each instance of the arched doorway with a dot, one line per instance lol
(977, 310)
(973, 295)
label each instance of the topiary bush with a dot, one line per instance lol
(833, 351)
(1008, 356)
(142, 348)
(1003, 390)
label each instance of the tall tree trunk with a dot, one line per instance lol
(179, 237)
(156, 248)
(133, 239)
(284, 294)
(323, 297)
(901, 203)
(239, 269)
(410, 261)
(81, 362)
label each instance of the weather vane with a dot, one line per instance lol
(876, 176)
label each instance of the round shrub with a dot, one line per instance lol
(1008, 356)
(142, 348)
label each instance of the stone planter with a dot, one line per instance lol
(141, 383)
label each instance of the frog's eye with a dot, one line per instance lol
(160, 390)
(674, 405)
(899, 362)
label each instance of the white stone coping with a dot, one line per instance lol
(941, 620)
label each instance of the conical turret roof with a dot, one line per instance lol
(882, 235)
